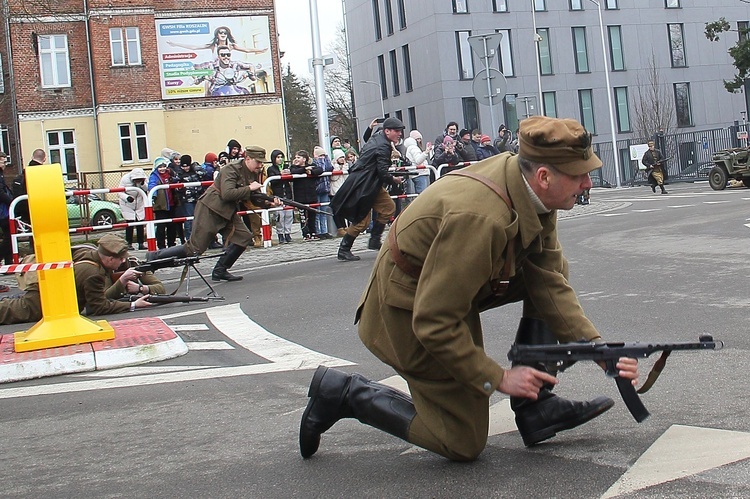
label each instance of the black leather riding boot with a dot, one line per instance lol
(538, 420)
(175, 251)
(220, 272)
(345, 249)
(663, 190)
(375, 235)
(336, 395)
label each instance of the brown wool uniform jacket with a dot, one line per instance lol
(230, 188)
(457, 231)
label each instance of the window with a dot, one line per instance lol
(54, 63)
(586, 103)
(550, 104)
(615, 48)
(376, 19)
(510, 111)
(545, 56)
(672, 4)
(61, 146)
(2, 80)
(611, 5)
(540, 5)
(401, 14)
(576, 4)
(388, 17)
(400, 115)
(579, 46)
(125, 45)
(505, 54)
(499, 5)
(5, 142)
(623, 111)
(742, 29)
(394, 73)
(683, 109)
(460, 7)
(471, 113)
(412, 117)
(677, 45)
(383, 82)
(465, 61)
(130, 134)
(407, 68)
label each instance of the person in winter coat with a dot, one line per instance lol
(234, 148)
(188, 196)
(340, 165)
(464, 147)
(164, 202)
(133, 205)
(6, 197)
(322, 189)
(486, 149)
(445, 154)
(305, 191)
(282, 189)
(418, 157)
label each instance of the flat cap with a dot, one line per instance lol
(255, 152)
(393, 124)
(112, 245)
(563, 143)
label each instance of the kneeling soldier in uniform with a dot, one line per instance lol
(480, 238)
(96, 288)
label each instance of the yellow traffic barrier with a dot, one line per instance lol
(61, 323)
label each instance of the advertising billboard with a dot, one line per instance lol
(214, 56)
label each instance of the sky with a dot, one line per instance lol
(295, 39)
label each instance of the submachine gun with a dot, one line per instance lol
(260, 199)
(187, 263)
(561, 356)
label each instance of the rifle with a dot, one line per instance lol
(161, 263)
(562, 356)
(259, 196)
(404, 173)
(159, 299)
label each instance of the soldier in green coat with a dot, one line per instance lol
(97, 289)
(215, 213)
(479, 238)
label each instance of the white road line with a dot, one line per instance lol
(681, 206)
(715, 202)
(138, 371)
(232, 322)
(175, 377)
(188, 327)
(682, 451)
(208, 345)
(612, 214)
(646, 211)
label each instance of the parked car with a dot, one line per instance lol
(101, 212)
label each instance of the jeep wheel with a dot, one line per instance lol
(746, 182)
(717, 178)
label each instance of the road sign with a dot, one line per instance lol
(742, 135)
(497, 85)
(478, 44)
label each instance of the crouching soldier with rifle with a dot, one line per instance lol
(97, 287)
(215, 213)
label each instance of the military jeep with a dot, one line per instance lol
(730, 163)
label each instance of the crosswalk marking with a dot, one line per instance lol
(680, 452)
(188, 327)
(208, 345)
(138, 371)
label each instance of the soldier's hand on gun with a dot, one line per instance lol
(255, 186)
(276, 202)
(524, 381)
(133, 287)
(628, 368)
(143, 302)
(130, 275)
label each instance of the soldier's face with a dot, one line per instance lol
(113, 262)
(563, 189)
(253, 165)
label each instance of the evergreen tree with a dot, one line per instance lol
(300, 113)
(740, 52)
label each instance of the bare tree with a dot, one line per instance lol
(339, 91)
(654, 107)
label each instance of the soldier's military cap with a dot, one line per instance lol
(112, 245)
(563, 143)
(255, 152)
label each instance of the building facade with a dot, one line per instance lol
(414, 58)
(106, 85)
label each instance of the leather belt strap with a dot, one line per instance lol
(499, 286)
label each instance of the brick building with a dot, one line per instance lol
(105, 86)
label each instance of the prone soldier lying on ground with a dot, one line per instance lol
(97, 288)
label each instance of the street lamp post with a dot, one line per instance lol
(537, 39)
(609, 96)
(380, 94)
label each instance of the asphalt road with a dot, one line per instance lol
(222, 421)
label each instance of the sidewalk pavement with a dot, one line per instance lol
(144, 340)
